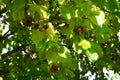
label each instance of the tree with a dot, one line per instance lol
(59, 39)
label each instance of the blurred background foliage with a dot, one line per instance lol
(59, 39)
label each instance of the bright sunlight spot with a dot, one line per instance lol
(85, 44)
(100, 18)
(61, 1)
(1, 78)
(68, 16)
(92, 56)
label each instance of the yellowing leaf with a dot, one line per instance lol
(50, 29)
(85, 44)
(44, 14)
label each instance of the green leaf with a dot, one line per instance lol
(112, 5)
(37, 36)
(41, 10)
(33, 8)
(19, 14)
(52, 52)
(116, 24)
(69, 72)
(73, 54)
(95, 48)
(52, 56)
(5, 1)
(17, 9)
(54, 3)
(78, 2)
(99, 3)
(19, 4)
(16, 5)
(42, 44)
(84, 9)
(61, 75)
(62, 49)
(75, 62)
(74, 22)
(65, 11)
(102, 33)
(44, 67)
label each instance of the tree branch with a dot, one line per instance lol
(6, 36)
(3, 72)
(19, 48)
(2, 11)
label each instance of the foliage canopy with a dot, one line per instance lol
(59, 39)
